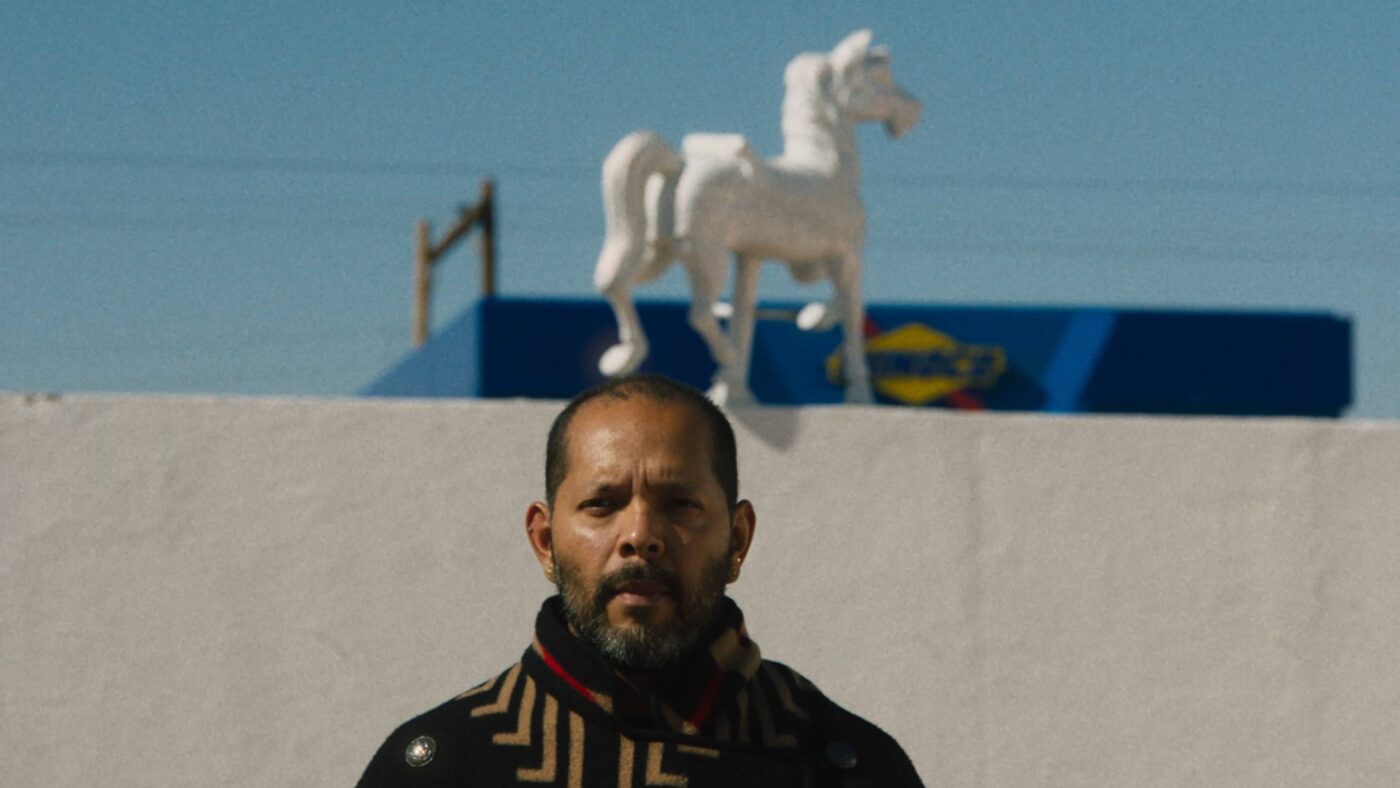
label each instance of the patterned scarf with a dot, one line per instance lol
(682, 699)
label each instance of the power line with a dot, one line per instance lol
(1215, 186)
(293, 165)
(338, 223)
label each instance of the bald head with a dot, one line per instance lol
(660, 390)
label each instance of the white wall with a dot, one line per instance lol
(254, 592)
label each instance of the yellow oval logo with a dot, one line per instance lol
(916, 365)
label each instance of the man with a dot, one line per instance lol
(641, 671)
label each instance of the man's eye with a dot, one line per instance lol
(687, 503)
(596, 504)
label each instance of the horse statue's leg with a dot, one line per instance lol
(734, 378)
(626, 171)
(705, 264)
(851, 304)
(617, 268)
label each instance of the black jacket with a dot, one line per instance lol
(722, 717)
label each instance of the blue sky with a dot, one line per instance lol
(200, 197)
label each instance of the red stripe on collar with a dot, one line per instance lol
(707, 699)
(559, 671)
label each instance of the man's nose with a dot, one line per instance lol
(641, 532)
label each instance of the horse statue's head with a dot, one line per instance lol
(864, 87)
(854, 83)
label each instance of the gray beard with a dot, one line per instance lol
(642, 646)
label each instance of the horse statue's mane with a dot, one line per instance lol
(717, 198)
(809, 128)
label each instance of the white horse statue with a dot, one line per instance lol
(716, 197)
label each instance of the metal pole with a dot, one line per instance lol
(487, 219)
(426, 255)
(422, 281)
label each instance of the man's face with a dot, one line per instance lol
(640, 537)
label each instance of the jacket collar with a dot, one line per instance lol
(682, 697)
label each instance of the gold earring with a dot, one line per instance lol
(734, 568)
(549, 572)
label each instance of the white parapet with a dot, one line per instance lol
(228, 592)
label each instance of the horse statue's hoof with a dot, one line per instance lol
(728, 395)
(859, 394)
(621, 359)
(817, 316)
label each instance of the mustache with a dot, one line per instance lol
(612, 583)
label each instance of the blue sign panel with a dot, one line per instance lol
(1030, 359)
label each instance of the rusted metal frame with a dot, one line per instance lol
(426, 254)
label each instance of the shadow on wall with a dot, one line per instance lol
(776, 427)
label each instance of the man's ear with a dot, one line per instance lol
(741, 528)
(541, 536)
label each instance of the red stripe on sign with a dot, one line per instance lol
(965, 401)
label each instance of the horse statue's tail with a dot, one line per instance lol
(627, 257)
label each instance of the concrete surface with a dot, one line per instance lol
(227, 592)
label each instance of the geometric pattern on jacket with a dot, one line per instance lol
(723, 716)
